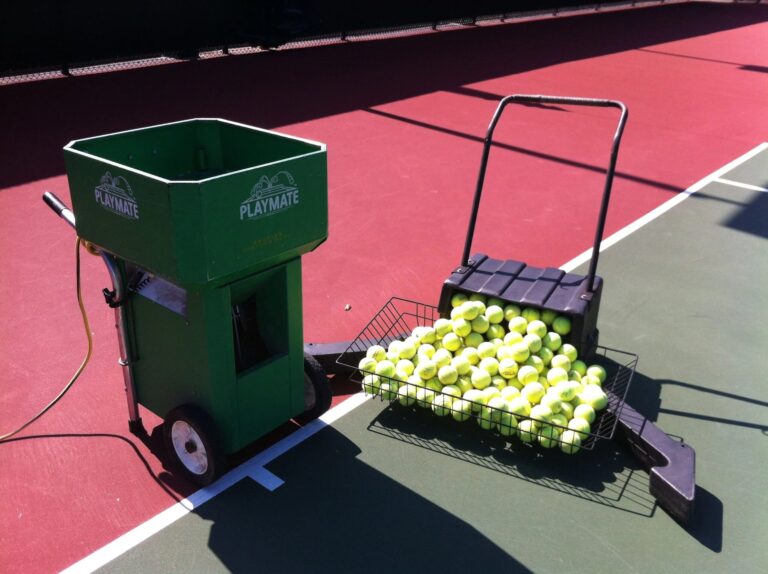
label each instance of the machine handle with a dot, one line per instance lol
(539, 99)
(59, 208)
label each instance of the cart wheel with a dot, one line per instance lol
(191, 442)
(317, 391)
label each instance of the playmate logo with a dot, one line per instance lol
(270, 196)
(115, 194)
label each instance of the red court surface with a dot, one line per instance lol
(404, 121)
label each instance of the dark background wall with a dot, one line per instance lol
(53, 34)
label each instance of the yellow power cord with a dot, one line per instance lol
(87, 358)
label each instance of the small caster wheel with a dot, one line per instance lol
(317, 391)
(191, 442)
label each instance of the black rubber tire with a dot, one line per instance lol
(317, 391)
(194, 419)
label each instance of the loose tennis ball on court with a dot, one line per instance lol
(461, 410)
(566, 390)
(561, 361)
(533, 342)
(426, 369)
(580, 367)
(545, 354)
(584, 411)
(441, 405)
(486, 349)
(518, 325)
(471, 355)
(461, 327)
(405, 366)
(509, 392)
(556, 375)
(473, 340)
(494, 314)
(527, 375)
(490, 365)
(532, 392)
(531, 314)
(508, 368)
(448, 375)
(552, 401)
(451, 341)
(461, 364)
(376, 352)
(385, 368)
(468, 310)
(480, 324)
(495, 332)
(570, 442)
(464, 383)
(485, 419)
(548, 436)
(388, 391)
(480, 378)
(536, 327)
(520, 352)
(594, 396)
(443, 327)
(597, 371)
(526, 430)
(548, 316)
(371, 384)
(406, 395)
(552, 341)
(511, 311)
(581, 427)
(536, 363)
(519, 406)
(540, 413)
(569, 351)
(458, 299)
(366, 365)
(561, 325)
(507, 424)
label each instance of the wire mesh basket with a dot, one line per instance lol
(397, 320)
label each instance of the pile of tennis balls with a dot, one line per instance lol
(509, 368)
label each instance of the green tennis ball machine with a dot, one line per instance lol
(202, 225)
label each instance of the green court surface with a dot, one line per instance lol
(388, 489)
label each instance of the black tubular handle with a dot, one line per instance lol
(537, 99)
(59, 208)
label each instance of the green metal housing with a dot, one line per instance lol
(209, 219)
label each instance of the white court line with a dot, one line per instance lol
(254, 468)
(741, 184)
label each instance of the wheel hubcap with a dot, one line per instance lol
(189, 447)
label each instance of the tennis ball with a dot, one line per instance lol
(480, 324)
(536, 363)
(548, 436)
(566, 409)
(441, 405)
(507, 424)
(480, 378)
(498, 382)
(461, 410)
(552, 401)
(511, 311)
(531, 314)
(426, 350)
(371, 384)
(366, 365)
(556, 375)
(574, 375)
(426, 369)
(471, 355)
(580, 367)
(485, 418)
(590, 380)
(540, 413)
(461, 364)
(526, 431)
(559, 420)
(566, 390)
(385, 368)
(581, 427)
(513, 337)
(527, 375)
(428, 335)
(533, 342)
(569, 351)
(458, 299)
(475, 397)
(434, 384)
(447, 374)
(520, 352)
(561, 325)
(545, 354)
(561, 361)
(597, 371)
(504, 352)
(495, 301)
(490, 365)
(584, 411)
(552, 341)
(406, 395)
(494, 314)
(495, 332)
(464, 383)
(468, 310)
(548, 316)
(594, 396)
(461, 327)
(497, 404)
(508, 393)
(424, 397)
(486, 349)
(442, 357)
(376, 352)
(570, 442)
(405, 366)
(455, 313)
(519, 406)
(532, 392)
(518, 325)
(536, 327)
(473, 340)
(443, 327)
(452, 390)
(508, 368)
(451, 341)
(389, 391)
